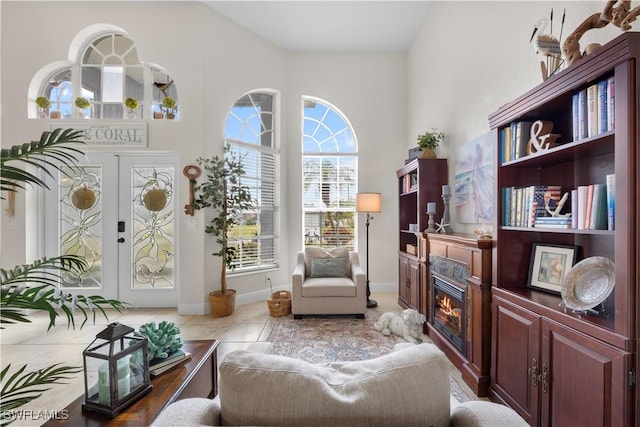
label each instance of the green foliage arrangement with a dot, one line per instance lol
(431, 139)
(43, 102)
(170, 104)
(164, 339)
(82, 102)
(223, 192)
(131, 103)
(34, 286)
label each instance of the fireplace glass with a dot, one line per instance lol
(449, 315)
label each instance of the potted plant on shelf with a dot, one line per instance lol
(83, 103)
(428, 142)
(171, 107)
(132, 105)
(225, 194)
(44, 104)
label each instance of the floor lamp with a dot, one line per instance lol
(368, 202)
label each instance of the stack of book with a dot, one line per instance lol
(158, 366)
(553, 221)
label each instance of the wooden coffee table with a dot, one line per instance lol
(197, 377)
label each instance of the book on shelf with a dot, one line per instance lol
(522, 136)
(582, 205)
(592, 110)
(523, 205)
(611, 104)
(588, 207)
(579, 109)
(562, 219)
(574, 208)
(505, 145)
(603, 116)
(169, 363)
(598, 217)
(611, 201)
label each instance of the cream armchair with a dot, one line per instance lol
(328, 282)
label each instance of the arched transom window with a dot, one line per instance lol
(105, 72)
(329, 168)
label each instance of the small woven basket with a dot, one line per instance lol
(279, 303)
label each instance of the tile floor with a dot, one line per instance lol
(31, 343)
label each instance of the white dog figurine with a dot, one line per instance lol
(407, 324)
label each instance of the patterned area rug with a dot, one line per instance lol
(322, 339)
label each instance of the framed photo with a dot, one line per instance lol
(549, 265)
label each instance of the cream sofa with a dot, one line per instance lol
(343, 293)
(408, 387)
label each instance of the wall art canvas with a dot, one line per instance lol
(474, 183)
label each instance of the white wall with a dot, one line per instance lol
(370, 89)
(470, 58)
(214, 62)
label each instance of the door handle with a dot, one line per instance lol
(121, 240)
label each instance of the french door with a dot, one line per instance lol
(117, 211)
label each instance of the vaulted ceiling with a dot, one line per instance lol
(329, 26)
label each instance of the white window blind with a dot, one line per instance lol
(249, 131)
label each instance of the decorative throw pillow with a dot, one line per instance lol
(328, 267)
(314, 252)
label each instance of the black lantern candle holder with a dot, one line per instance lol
(116, 370)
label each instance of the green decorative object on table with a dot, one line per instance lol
(164, 339)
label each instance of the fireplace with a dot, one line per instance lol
(449, 312)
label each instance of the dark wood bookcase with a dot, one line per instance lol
(420, 181)
(551, 364)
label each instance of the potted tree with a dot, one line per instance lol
(428, 142)
(224, 193)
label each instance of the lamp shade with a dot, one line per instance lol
(368, 202)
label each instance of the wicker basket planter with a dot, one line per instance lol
(222, 305)
(279, 303)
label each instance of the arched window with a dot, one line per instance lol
(330, 176)
(250, 132)
(104, 68)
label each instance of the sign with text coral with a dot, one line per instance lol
(110, 134)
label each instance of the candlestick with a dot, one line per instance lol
(431, 210)
(446, 190)
(445, 225)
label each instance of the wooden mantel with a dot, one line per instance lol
(476, 255)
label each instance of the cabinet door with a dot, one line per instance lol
(403, 279)
(425, 291)
(515, 360)
(414, 284)
(584, 381)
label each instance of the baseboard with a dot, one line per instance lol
(383, 287)
(263, 294)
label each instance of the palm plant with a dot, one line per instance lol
(35, 286)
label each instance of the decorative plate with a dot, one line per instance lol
(588, 283)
